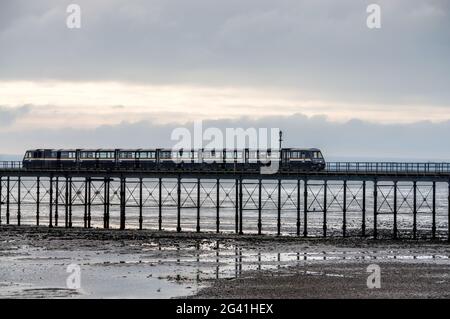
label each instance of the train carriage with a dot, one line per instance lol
(168, 159)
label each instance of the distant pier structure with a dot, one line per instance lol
(347, 199)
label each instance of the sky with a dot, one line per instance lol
(136, 70)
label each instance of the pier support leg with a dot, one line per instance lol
(160, 204)
(140, 204)
(198, 204)
(8, 198)
(56, 201)
(448, 213)
(50, 214)
(85, 218)
(122, 202)
(279, 209)
(218, 206)
(433, 226)
(38, 199)
(240, 208)
(344, 211)
(298, 207)
(375, 208)
(19, 197)
(415, 210)
(325, 191)
(363, 226)
(1, 198)
(70, 202)
(395, 210)
(236, 221)
(178, 204)
(105, 202)
(66, 204)
(259, 207)
(305, 209)
(89, 203)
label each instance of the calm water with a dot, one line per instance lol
(227, 194)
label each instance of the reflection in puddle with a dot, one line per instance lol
(206, 260)
(170, 268)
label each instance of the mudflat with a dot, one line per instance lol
(34, 263)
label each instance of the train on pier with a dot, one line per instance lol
(310, 159)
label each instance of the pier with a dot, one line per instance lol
(347, 199)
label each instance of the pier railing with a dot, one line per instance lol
(332, 167)
(10, 165)
(389, 167)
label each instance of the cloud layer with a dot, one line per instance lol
(352, 140)
(322, 47)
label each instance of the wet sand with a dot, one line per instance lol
(148, 264)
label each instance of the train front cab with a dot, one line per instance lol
(303, 159)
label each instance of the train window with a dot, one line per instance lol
(274, 155)
(64, 154)
(72, 154)
(186, 155)
(104, 155)
(164, 154)
(317, 155)
(127, 155)
(253, 154)
(146, 155)
(28, 155)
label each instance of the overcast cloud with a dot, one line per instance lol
(361, 92)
